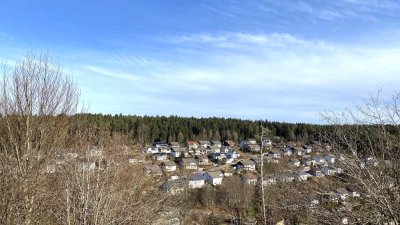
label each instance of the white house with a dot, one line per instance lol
(246, 165)
(174, 186)
(299, 151)
(267, 143)
(153, 170)
(168, 166)
(285, 177)
(319, 160)
(232, 154)
(302, 176)
(192, 144)
(189, 164)
(274, 154)
(199, 151)
(214, 178)
(249, 178)
(212, 149)
(328, 171)
(269, 180)
(160, 156)
(308, 161)
(316, 172)
(174, 144)
(218, 156)
(287, 151)
(134, 160)
(165, 150)
(243, 144)
(197, 181)
(177, 152)
(252, 148)
(152, 150)
(160, 144)
(202, 160)
(308, 149)
(204, 144)
(227, 173)
(216, 143)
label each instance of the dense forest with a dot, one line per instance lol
(146, 129)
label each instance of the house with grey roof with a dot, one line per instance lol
(214, 177)
(249, 178)
(197, 180)
(168, 166)
(174, 186)
(188, 163)
(269, 180)
(216, 143)
(284, 177)
(204, 144)
(246, 165)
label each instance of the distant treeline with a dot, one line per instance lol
(147, 129)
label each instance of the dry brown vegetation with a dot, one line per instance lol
(35, 101)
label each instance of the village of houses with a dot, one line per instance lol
(195, 164)
(181, 166)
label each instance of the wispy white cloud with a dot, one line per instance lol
(248, 75)
(244, 40)
(282, 77)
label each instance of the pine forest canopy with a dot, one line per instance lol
(147, 129)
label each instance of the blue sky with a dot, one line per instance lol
(266, 59)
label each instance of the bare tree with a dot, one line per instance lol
(93, 191)
(263, 133)
(366, 138)
(35, 98)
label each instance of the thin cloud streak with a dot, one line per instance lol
(301, 76)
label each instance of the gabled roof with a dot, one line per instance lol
(168, 163)
(175, 184)
(204, 142)
(160, 143)
(191, 142)
(215, 174)
(178, 149)
(188, 161)
(197, 176)
(247, 163)
(302, 173)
